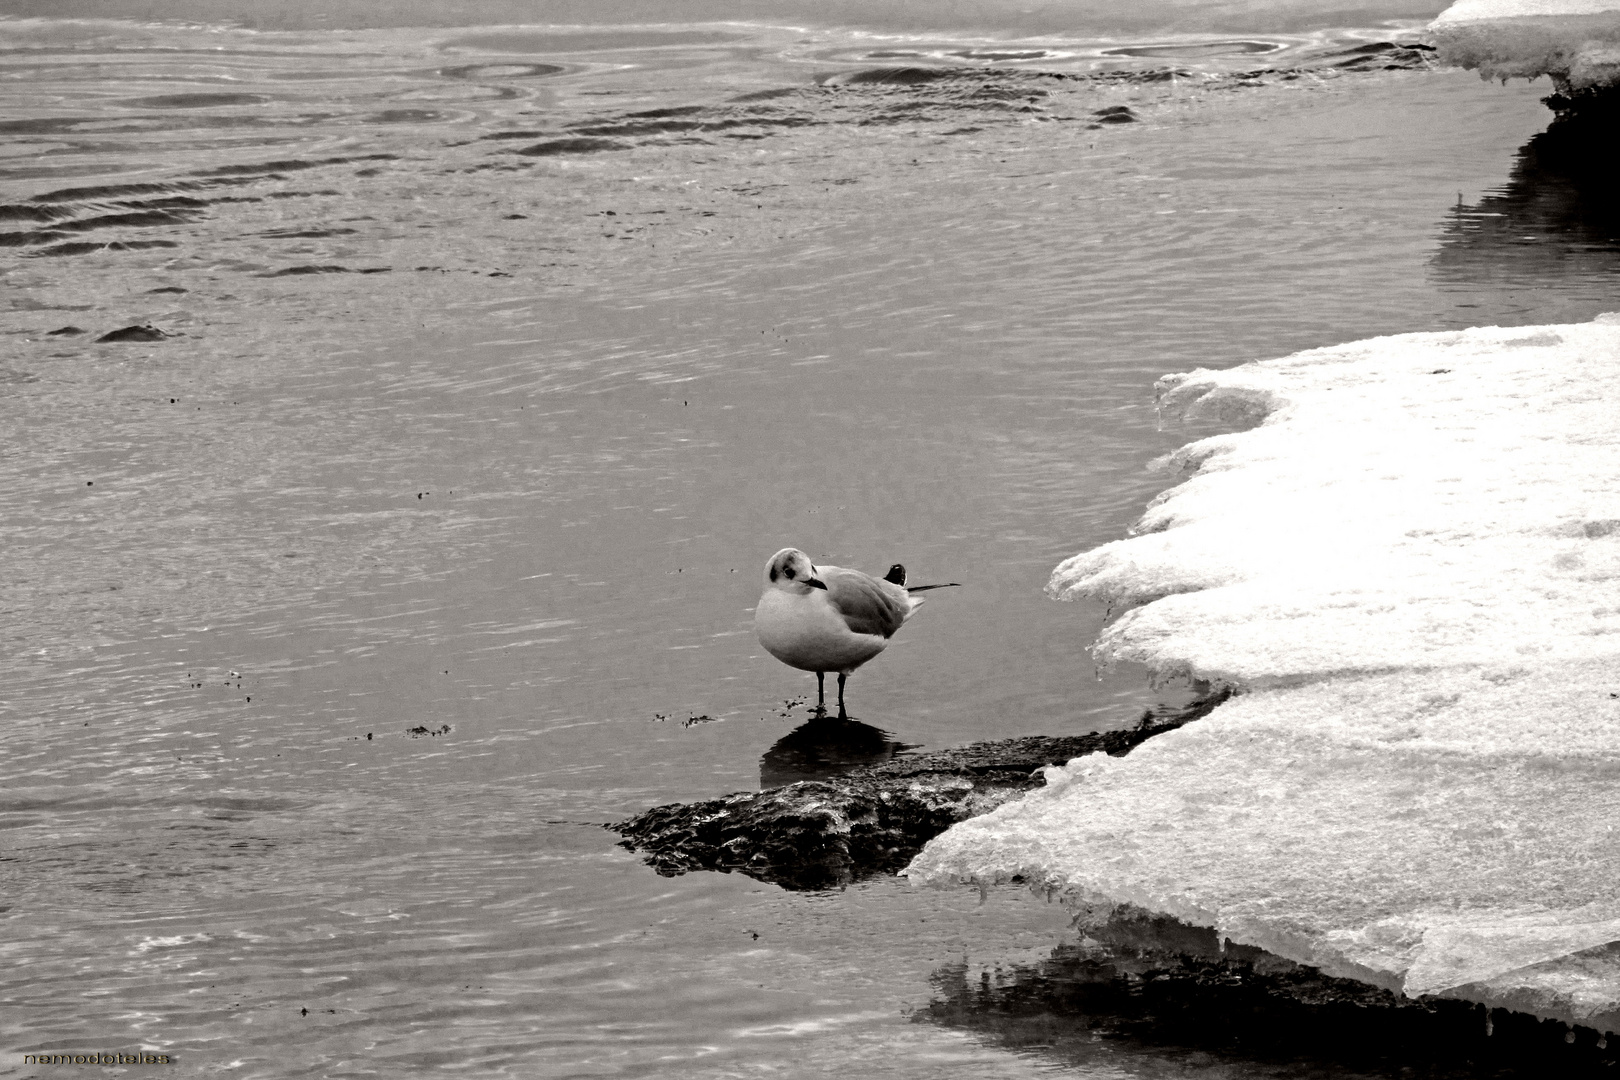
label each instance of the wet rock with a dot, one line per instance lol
(143, 332)
(65, 331)
(1589, 116)
(819, 834)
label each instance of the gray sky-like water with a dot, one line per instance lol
(447, 434)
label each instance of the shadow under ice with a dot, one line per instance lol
(1555, 222)
(1150, 996)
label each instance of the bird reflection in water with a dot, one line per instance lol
(823, 747)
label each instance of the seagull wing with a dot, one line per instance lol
(868, 606)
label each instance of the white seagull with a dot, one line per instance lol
(826, 618)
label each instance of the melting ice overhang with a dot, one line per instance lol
(1411, 572)
(1575, 42)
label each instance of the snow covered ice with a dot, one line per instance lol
(1410, 571)
(1576, 42)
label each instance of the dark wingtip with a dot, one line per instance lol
(896, 575)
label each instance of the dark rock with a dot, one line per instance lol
(1590, 115)
(824, 833)
(144, 332)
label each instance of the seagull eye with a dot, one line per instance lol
(789, 573)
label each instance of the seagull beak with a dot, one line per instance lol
(816, 583)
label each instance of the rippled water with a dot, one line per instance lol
(494, 365)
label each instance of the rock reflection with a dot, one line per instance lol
(1557, 219)
(823, 747)
(1153, 997)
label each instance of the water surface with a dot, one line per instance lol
(426, 540)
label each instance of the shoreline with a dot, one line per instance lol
(848, 826)
(1408, 583)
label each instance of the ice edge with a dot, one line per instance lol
(1410, 569)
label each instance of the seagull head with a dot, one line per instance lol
(792, 571)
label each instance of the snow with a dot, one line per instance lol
(1410, 571)
(1576, 42)
(1445, 496)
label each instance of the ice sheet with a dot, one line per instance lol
(1411, 571)
(1576, 42)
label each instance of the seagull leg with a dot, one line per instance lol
(821, 693)
(842, 715)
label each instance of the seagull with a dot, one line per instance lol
(826, 618)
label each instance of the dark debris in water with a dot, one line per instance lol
(33, 213)
(1387, 56)
(308, 268)
(690, 721)
(913, 94)
(104, 192)
(766, 95)
(501, 136)
(290, 165)
(304, 234)
(1194, 50)
(62, 213)
(951, 100)
(819, 834)
(419, 731)
(142, 332)
(892, 76)
(87, 247)
(323, 268)
(553, 147)
(501, 71)
(197, 101)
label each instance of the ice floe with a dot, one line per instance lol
(1576, 42)
(1410, 572)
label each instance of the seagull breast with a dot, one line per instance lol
(837, 628)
